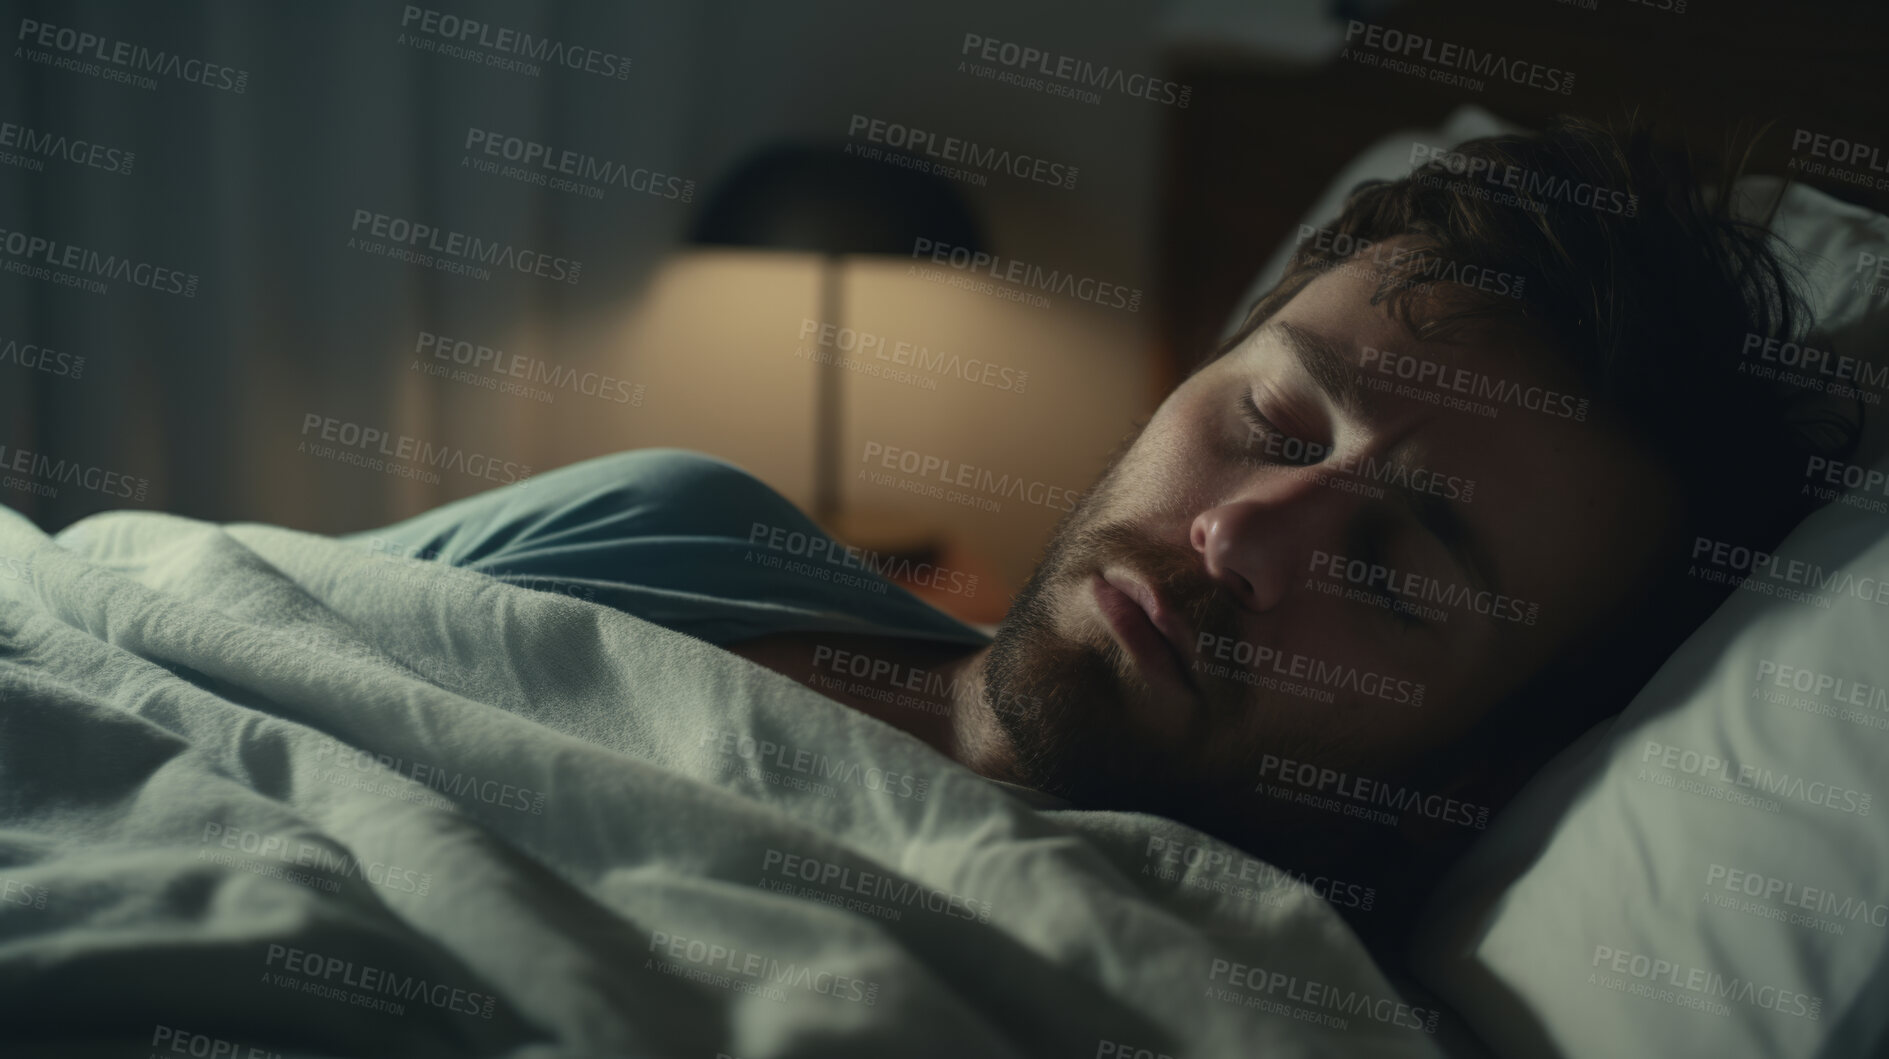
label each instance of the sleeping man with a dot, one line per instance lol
(1399, 539)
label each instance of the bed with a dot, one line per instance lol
(265, 792)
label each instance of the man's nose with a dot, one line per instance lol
(1253, 545)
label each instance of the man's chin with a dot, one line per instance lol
(1063, 706)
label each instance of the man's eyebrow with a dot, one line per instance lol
(1327, 362)
(1440, 517)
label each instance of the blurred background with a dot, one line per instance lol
(679, 176)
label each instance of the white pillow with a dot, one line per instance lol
(1610, 910)
(1722, 842)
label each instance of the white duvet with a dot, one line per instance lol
(265, 790)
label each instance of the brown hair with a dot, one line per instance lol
(1650, 297)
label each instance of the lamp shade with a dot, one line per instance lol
(817, 198)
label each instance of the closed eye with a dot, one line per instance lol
(1274, 444)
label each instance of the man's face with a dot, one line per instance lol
(1313, 550)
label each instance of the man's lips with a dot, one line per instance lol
(1161, 614)
(1147, 627)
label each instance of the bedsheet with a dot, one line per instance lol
(266, 792)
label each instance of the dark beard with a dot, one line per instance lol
(1060, 705)
(1059, 702)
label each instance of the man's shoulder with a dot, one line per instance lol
(682, 488)
(668, 465)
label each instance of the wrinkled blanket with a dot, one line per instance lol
(265, 792)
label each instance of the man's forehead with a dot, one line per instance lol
(1351, 348)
